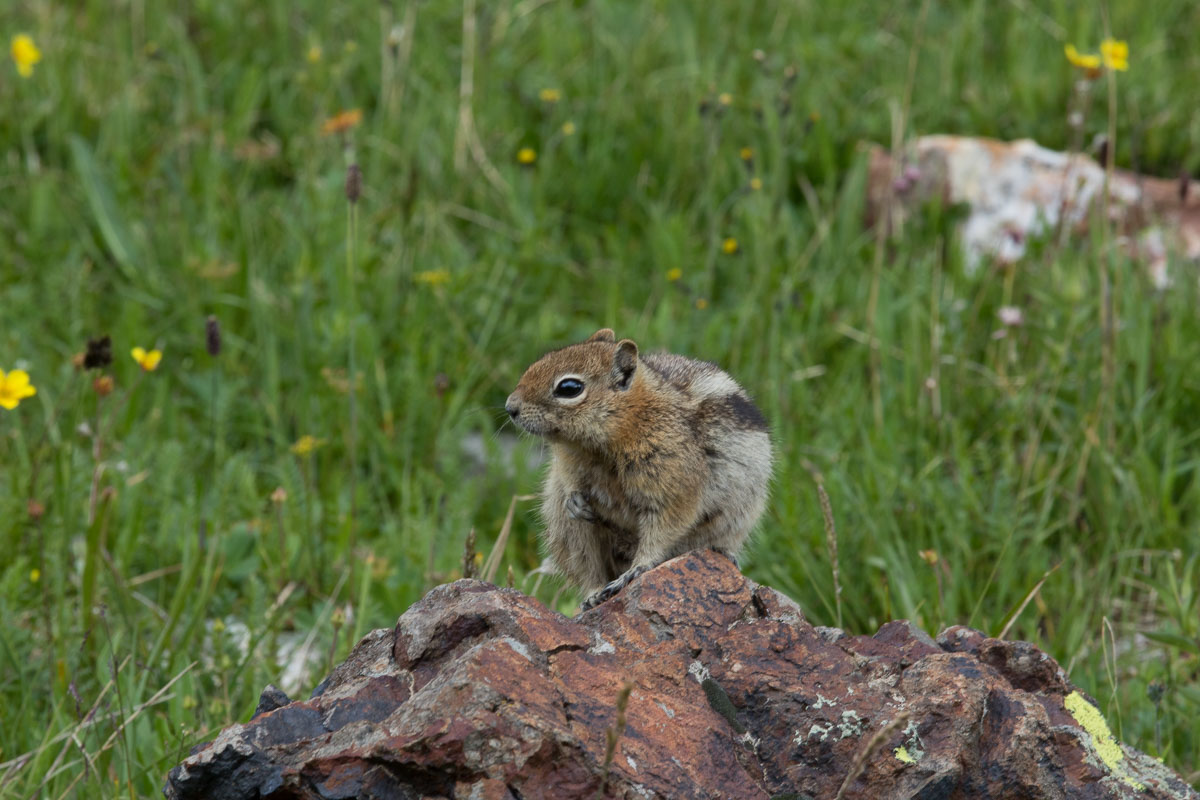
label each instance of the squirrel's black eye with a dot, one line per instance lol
(568, 387)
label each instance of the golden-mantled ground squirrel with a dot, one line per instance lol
(652, 456)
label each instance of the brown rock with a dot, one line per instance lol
(483, 693)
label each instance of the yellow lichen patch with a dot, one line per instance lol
(901, 754)
(1106, 746)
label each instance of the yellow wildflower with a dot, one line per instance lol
(147, 359)
(433, 277)
(1115, 54)
(729, 246)
(314, 53)
(526, 156)
(342, 122)
(725, 99)
(25, 54)
(701, 303)
(746, 154)
(550, 95)
(15, 387)
(568, 129)
(306, 444)
(755, 184)
(1089, 61)
(35, 575)
(674, 274)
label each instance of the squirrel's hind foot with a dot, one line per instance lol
(728, 554)
(612, 589)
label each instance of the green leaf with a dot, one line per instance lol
(1175, 640)
(113, 230)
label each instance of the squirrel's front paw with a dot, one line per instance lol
(612, 589)
(578, 507)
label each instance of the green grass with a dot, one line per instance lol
(163, 165)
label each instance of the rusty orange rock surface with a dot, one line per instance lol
(481, 692)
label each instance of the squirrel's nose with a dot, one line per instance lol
(513, 407)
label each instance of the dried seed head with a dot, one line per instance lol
(354, 183)
(212, 336)
(103, 385)
(469, 554)
(99, 353)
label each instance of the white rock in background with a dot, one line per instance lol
(1017, 190)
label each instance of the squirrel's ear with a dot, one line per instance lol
(625, 364)
(603, 335)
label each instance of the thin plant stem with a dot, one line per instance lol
(212, 439)
(899, 122)
(314, 542)
(97, 452)
(1108, 274)
(352, 235)
(612, 736)
(935, 340)
(116, 674)
(212, 425)
(213, 422)
(212, 343)
(1004, 348)
(831, 543)
(281, 531)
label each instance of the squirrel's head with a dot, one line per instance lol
(574, 394)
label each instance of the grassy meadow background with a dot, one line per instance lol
(169, 161)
